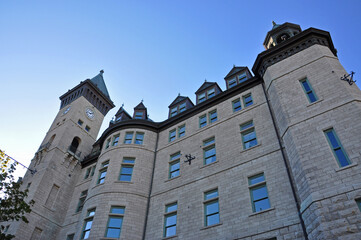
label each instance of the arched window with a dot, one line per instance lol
(74, 144)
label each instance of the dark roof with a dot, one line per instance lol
(275, 25)
(177, 100)
(140, 106)
(205, 85)
(234, 70)
(122, 110)
(98, 81)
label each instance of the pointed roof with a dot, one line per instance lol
(234, 70)
(205, 85)
(98, 81)
(275, 25)
(178, 99)
(122, 111)
(140, 106)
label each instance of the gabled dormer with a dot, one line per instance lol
(236, 76)
(207, 91)
(180, 104)
(140, 111)
(122, 115)
(280, 33)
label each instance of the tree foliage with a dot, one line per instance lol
(13, 206)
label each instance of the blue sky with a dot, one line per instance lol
(149, 50)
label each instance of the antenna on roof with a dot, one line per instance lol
(102, 71)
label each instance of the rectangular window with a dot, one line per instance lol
(80, 122)
(174, 165)
(115, 222)
(87, 173)
(242, 77)
(115, 140)
(248, 133)
(236, 105)
(81, 200)
(87, 128)
(138, 115)
(211, 207)
(211, 93)
(88, 221)
(70, 236)
(308, 90)
(182, 107)
(126, 170)
(232, 82)
(212, 116)
(336, 146)
(172, 135)
(247, 100)
(259, 194)
(173, 111)
(209, 151)
(358, 202)
(103, 172)
(36, 234)
(201, 97)
(170, 220)
(181, 131)
(52, 196)
(203, 121)
(92, 171)
(107, 144)
(128, 137)
(139, 138)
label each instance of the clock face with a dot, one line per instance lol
(66, 110)
(89, 113)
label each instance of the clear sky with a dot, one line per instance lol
(149, 50)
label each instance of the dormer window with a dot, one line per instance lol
(201, 97)
(138, 115)
(174, 111)
(182, 107)
(242, 77)
(211, 93)
(232, 82)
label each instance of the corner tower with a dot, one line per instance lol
(314, 113)
(57, 162)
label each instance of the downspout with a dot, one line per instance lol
(150, 187)
(286, 164)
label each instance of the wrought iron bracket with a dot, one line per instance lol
(349, 78)
(189, 158)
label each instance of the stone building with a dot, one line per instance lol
(274, 156)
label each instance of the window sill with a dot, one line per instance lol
(170, 179)
(244, 150)
(118, 181)
(170, 237)
(315, 102)
(98, 185)
(260, 212)
(214, 225)
(346, 167)
(209, 164)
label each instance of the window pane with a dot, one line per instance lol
(211, 194)
(237, 105)
(113, 233)
(174, 166)
(306, 86)
(115, 222)
(212, 208)
(247, 125)
(232, 82)
(170, 231)
(171, 207)
(86, 235)
(213, 219)
(312, 97)
(125, 178)
(256, 179)
(117, 210)
(249, 136)
(242, 77)
(208, 142)
(127, 170)
(209, 152)
(213, 116)
(332, 139)
(341, 158)
(175, 156)
(261, 205)
(259, 193)
(250, 144)
(174, 174)
(88, 225)
(171, 220)
(128, 160)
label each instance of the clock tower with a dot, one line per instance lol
(57, 161)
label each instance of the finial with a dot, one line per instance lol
(142, 100)
(205, 80)
(122, 105)
(102, 71)
(234, 65)
(178, 94)
(273, 22)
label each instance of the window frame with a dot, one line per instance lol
(127, 165)
(256, 186)
(181, 132)
(172, 137)
(167, 215)
(173, 160)
(139, 141)
(247, 103)
(231, 80)
(115, 140)
(107, 144)
(115, 216)
(103, 169)
(209, 144)
(87, 219)
(127, 140)
(234, 108)
(243, 79)
(200, 97)
(340, 147)
(209, 201)
(81, 201)
(247, 128)
(204, 116)
(310, 92)
(212, 119)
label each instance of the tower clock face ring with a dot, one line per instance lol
(89, 113)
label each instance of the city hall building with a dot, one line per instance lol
(275, 155)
